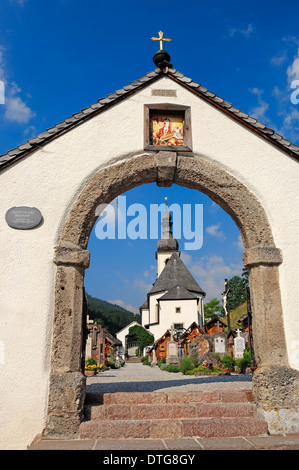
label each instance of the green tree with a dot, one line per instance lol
(143, 337)
(213, 308)
(237, 285)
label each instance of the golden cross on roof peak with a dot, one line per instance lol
(161, 39)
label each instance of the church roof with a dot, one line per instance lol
(175, 274)
(144, 306)
(178, 293)
(111, 338)
(102, 104)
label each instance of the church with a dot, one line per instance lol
(175, 299)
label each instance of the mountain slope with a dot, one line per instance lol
(110, 316)
(235, 315)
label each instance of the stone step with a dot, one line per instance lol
(162, 415)
(133, 359)
(174, 428)
(190, 397)
(168, 411)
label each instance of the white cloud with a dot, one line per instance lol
(239, 243)
(290, 124)
(287, 98)
(215, 232)
(122, 304)
(30, 131)
(141, 285)
(16, 109)
(245, 32)
(186, 258)
(259, 112)
(2, 69)
(279, 59)
(293, 69)
(210, 272)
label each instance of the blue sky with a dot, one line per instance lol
(57, 57)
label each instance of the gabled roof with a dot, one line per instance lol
(175, 274)
(178, 293)
(144, 306)
(134, 322)
(213, 319)
(114, 341)
(102, 104)
(193, 325)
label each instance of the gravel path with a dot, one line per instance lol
(135, 377)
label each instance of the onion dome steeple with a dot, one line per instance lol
(167, 242)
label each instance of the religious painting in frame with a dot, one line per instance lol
(167, 127)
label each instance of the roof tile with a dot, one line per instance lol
(11, 155)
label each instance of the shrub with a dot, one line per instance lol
(186, 365)
(163, 361)
(201, 369)
(217, 357)
(111, 363)
(163, 365)
(228, 362)
(172, 368)
(244, 362)
(195, 360)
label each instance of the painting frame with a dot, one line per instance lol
(165, 110)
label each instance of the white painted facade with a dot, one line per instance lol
(169, 316)
(160, 315)
(161, 261)
(121, 335)
(51, 179)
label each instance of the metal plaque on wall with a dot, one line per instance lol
(23, 218)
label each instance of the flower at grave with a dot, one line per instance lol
(91, 367)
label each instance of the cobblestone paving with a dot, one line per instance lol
(135, 377)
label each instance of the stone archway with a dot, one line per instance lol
(261, 257)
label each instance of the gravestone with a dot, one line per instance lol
(219, 345)
(239, 346)
(172, 349)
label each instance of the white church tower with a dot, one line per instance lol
(175, 299)
(167, 244)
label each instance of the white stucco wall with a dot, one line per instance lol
(52, 178)
(121, 335)
(161, 261)
(145, 316)
(168, 315)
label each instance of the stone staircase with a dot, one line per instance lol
(166, 415)
(133, 359)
